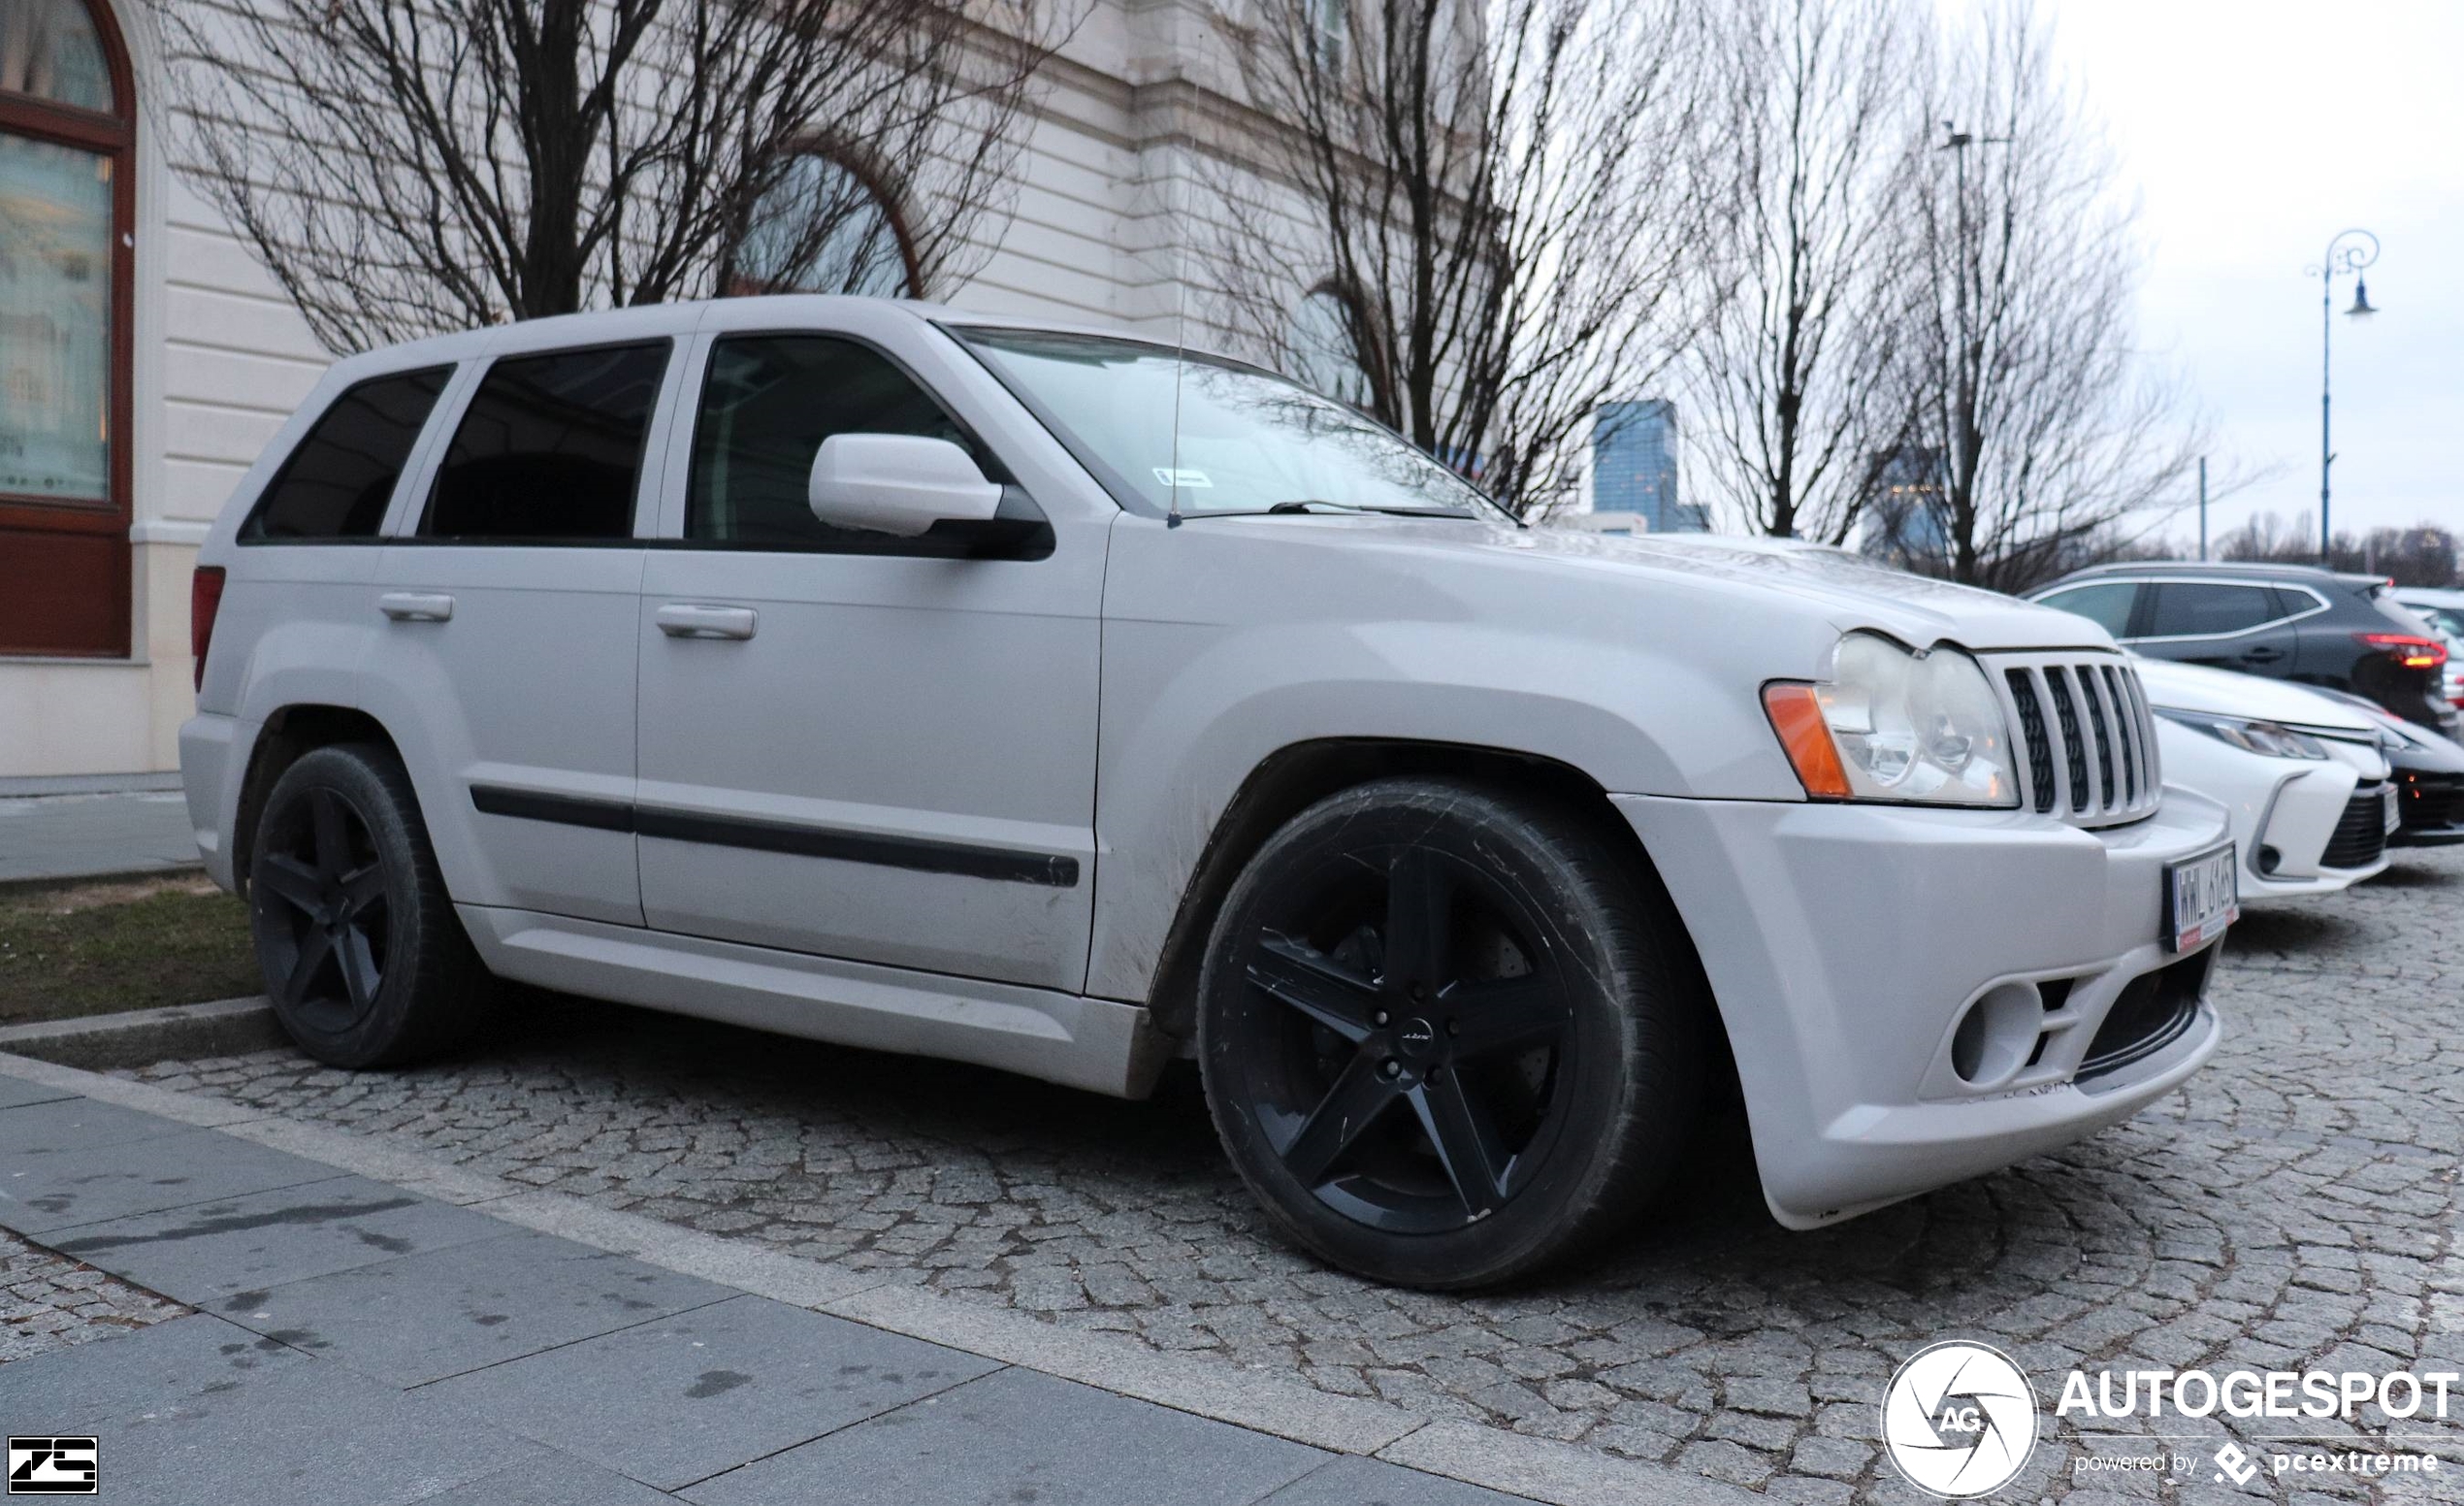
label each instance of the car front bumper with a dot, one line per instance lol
(1845, 943)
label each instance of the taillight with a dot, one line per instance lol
(2406, 649)
(204, 599)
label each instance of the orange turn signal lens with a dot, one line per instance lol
(1796, 715)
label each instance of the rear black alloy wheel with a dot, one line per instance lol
(323, 918)
(364, 958)
(1443, 1035)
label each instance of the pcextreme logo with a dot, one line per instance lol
(1959, 1420)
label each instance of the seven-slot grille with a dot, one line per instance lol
(2084, 725)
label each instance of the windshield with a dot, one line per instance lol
(1248, 440)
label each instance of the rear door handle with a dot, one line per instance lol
(415, 606)
(691, 619)
(2262, 655)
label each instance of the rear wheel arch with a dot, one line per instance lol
(288, 733)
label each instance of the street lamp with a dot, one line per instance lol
(2350, 251)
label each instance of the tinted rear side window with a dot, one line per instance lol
(550, 448)
(2107, 603)
(2197, 608)
(767, 406)
(336, 483)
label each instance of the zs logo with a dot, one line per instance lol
(51, 1466)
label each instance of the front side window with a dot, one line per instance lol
(1201, 435)
(2106, 603)
(767, 406)
(2199, 609)
(550, 449)
(337, 484)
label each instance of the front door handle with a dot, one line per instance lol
(417, 606)
(691, 619)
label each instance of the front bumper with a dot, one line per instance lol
(1845, 943)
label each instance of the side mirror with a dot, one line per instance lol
(896, 483)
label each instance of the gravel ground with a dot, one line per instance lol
(2297, 1205)
(48, 1302)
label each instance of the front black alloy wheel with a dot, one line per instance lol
(363, 959)
(1449, 1034)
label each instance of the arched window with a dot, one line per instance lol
(1320, 351)
(67, 207)
(821, 228)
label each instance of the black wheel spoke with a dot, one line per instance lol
(1466, 1141)
(364, 892)
(333, 833)
(358, 965)
(1360, 1094)
(315, 946)
(1504, 1014)
(1418, 897)
(1308, 980)
(291, 881)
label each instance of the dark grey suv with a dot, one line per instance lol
(2288, 622)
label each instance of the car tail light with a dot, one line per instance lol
(1796, 715)
(205, 599)
(2407, 649)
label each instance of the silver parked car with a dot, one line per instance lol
(1070, 704)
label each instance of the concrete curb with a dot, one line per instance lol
(224, 1028)
(1557, 1473)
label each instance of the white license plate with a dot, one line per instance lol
(2201, 899)
(2395, 813)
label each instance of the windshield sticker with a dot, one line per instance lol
(1191, 479)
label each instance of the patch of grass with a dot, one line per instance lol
(94, 948)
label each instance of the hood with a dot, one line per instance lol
(2191, 687)
(1848, 589)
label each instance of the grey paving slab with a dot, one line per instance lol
(34, 1132)
(49, 1192)
(428, 1316)
(167, 1365)
(16, 1092)
(197, 1410)
(1353, 1481)
(1019, 1436)
(208, 1251)
(71, 836)
(686, 1398)
(568, 1481)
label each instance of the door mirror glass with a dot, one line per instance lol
(897, 483)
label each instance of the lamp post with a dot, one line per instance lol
(2351, 251)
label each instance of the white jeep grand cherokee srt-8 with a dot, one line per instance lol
(937, 683)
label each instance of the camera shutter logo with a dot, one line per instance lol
(1959, 1420)
(51, 1466)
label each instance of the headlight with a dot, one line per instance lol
(1892, 724)
(2270, 739)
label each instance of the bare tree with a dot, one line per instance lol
(1797, 411)
(2422, 555)
(2038, 424)
(1494, 201)
(409, 166)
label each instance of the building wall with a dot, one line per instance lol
(1101, 231)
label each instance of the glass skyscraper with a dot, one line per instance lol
(1633, 468)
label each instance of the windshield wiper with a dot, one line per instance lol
(1312, 504)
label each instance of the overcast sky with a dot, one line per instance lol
(2253, 131)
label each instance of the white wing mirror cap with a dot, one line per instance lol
(896, 483)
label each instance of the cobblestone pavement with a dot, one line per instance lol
(2297, 1205)
(48, 1302)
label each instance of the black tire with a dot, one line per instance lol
(364, 958)
(1498, 1098)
